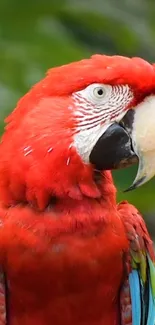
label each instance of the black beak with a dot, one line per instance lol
(114, 148)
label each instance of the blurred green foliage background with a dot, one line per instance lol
(38, 34)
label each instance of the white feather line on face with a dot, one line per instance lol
(85, 141)
(93, 120)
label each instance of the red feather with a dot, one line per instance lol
(62, 240)
(60, 263)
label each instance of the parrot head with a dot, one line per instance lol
(85, 117)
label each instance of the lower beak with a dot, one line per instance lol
(129, 141)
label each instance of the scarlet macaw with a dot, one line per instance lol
(69, 254)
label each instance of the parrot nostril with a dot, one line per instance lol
(121, 123)
(127, 124)
(127, 121)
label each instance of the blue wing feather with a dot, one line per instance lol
(135, 297)
(151, 310)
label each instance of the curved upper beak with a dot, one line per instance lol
(129, 141)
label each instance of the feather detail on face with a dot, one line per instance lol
(62, 130)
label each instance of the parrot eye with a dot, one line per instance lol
(96, 93)
(99, 92)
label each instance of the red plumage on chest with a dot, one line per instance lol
(60, 264)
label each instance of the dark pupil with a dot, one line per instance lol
(100, 91)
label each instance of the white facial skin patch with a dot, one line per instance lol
(95, 108)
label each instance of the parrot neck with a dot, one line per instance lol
(99, 187)
(39, 175)
(37, 166)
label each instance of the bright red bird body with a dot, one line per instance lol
(64, 242)
(61, 263)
